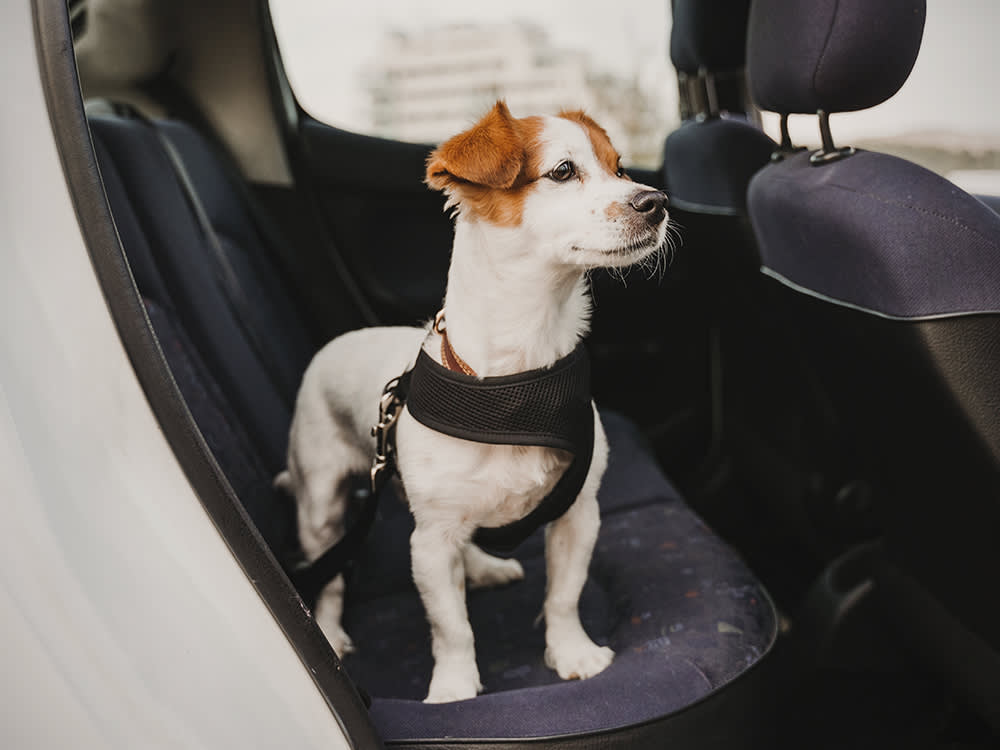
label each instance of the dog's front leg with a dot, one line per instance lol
(439, 574)
(569, 544)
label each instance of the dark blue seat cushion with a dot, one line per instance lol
(173, 264)
(878, 233)
(271, 511)
(683, 613)
(242, 413)
(708, 164)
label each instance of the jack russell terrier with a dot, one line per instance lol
(538, 201)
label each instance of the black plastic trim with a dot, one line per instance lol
(341, 158)
(370, 162)
(968, 662)
(290, 118)
(57, 68)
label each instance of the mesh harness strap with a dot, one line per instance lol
(548, 407)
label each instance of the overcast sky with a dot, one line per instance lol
(954, 85)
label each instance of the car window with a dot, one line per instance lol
(946, 117)
(422, 70)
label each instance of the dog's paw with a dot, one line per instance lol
(486, 571)
(453, 685)
(578, 659)
(338, 638)
(341, 643)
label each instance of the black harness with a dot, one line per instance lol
(549, 407)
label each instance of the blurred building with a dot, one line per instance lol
(429, 85)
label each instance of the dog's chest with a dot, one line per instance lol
(479, 484)
(512, 480)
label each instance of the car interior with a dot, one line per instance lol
(802, 412)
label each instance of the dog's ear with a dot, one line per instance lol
(491, 153)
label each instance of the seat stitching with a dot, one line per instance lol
(919, 209)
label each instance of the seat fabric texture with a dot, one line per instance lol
(242, 413)
(683, 612)
(879, 233)
(176, 266)
(833, 55)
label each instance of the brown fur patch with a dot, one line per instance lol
(606, 153)
(490, 168)
(616, 210)
(490, 153)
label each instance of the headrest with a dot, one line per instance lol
(708, 165)
(709, 34)
(834, 55)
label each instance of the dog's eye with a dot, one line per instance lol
(620, 172)
(563, 171)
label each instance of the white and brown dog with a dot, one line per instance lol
(538, 202)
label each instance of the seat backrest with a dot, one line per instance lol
(241, 394)
(889, 277)
(709, 160)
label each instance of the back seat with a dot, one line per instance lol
(688, 620)
(242, 405)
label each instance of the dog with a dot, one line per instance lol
(537, 201)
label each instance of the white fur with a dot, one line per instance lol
(516, 300)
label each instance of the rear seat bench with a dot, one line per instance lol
(688, 620)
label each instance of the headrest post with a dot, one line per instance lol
(824, 130)
(786, 146)
(786, 139)
(706, 94)
(711, 95)
(829, 152)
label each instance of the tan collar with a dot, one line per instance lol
(449, 357)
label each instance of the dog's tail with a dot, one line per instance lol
(283, 481)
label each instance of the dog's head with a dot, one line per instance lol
(557, 182)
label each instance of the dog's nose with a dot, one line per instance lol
(651, 203)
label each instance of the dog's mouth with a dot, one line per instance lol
(634, 247)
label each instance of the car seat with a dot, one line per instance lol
(691, 624)
(888, 278)
(709, 160)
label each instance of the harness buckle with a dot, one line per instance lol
(389, 407)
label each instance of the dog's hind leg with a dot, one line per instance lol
(321, 469)
(483, 570)
(569, 544)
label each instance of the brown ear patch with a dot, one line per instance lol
(490, 153)
(488, 169)
(606, 153)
